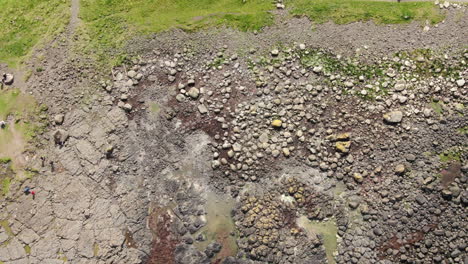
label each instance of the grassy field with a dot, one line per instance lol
(25, 23)
(108, 23)
(346, 11)
(23, 109)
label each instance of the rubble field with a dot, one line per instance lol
(337, 144)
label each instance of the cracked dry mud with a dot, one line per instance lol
(346, 144)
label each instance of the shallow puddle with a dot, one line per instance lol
(219, 225)
(327, 229)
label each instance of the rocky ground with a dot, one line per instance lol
(342, 144)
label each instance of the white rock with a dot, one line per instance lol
(194, 92)
(393, 117)
(127, 107)
(202, 109)
(400, 85)
(58, 119)
(131, 74)
(237, 147)
(317, 69)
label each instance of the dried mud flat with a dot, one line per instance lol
(341, 144)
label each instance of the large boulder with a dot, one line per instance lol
(60, 136)
(9, 79)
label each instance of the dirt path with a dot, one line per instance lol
(74, 19)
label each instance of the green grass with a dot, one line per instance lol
(453, 154)
(155, 107)
(6, 186)
(108, 23)
(5, 160)
(463, 130)
(12, 101)
(25, 23)
(24, 124)
(23, 108)
(347, 11)
(437, 107)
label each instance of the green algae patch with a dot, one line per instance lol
(327, 229)
(6, 226)
(95, 249)
(220, 226)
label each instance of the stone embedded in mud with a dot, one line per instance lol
(60, 136)
(400, 169)
(263, 138)
(276, 123)
(58, 119)
(317, 69)
(393, 117)
(343, 146)
(348, 84)
(139, 76)
(180, 97)
(400, 85)
(358, 177)
(215, 164)
(237, 147)
(127, 107)
(131, 74)
(275, 153)
(193, 92)
(202, 109)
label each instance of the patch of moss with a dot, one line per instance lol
(217, 62)
(155, 108)
(463, 130)
(437, 107)
(27, 249)
(6, 186)
(450, 155)
(5, 160)
(95, 249)
(6, 226)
